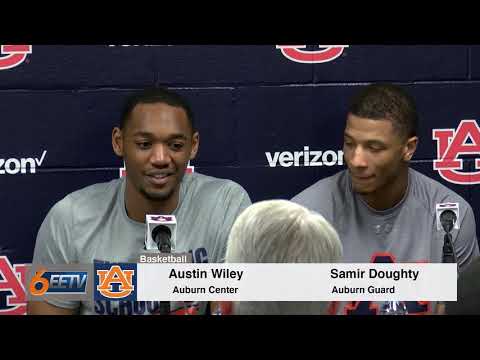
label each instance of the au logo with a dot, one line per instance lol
(123, 171)
(13, 55)
(115, 282)
(324, 54)
(12, 290)
(465, 140)
(162, 218)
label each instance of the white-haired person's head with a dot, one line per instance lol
(280, 231)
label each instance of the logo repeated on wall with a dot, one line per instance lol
(123, 172)
(13, 166)
(306, 157)
(325, 54)
(12, 289)
(13, 55)
(465, 140)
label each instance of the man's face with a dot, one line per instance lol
(375, 153)
(156, 143)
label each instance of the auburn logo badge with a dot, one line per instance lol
(162, 218)
(325, 53)
(115, 283)
(13, 55)
(465, 140)
(189, 170)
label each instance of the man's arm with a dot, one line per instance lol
(44, 308)
(53, 247)
(468, 292)
(465, 243)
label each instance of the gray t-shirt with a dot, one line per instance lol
(91, 225)
(405, 233)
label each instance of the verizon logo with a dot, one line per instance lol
(305, 158)
(15, 166)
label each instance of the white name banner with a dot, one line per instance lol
(297, 282)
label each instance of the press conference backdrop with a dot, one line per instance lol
(255, 107)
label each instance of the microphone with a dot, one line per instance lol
(447, 215)
(162, 237)
(161, 233)
(448, 219)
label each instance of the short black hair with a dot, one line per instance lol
(155, 95)
(387, 101)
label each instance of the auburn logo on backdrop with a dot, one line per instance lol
(13, 55)
(123, 172)
(465, 140)
(12, 289)
(325, 53)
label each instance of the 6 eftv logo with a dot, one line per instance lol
(12, 289)
(115, 282)
(58, 282)
(464, 140)
(325, 53)
(13, 55)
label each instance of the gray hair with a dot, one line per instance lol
(280, 231)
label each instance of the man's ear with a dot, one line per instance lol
(117, 141)
(410, 148)
(195, 144)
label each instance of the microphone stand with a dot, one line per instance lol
(162, 239)
(448, 252)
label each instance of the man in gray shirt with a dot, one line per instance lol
(106, 222)
(383, 210)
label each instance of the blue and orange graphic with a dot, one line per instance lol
(115, 282)
(58, 282)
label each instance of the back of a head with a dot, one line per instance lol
(387, 101)
(280, 231)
